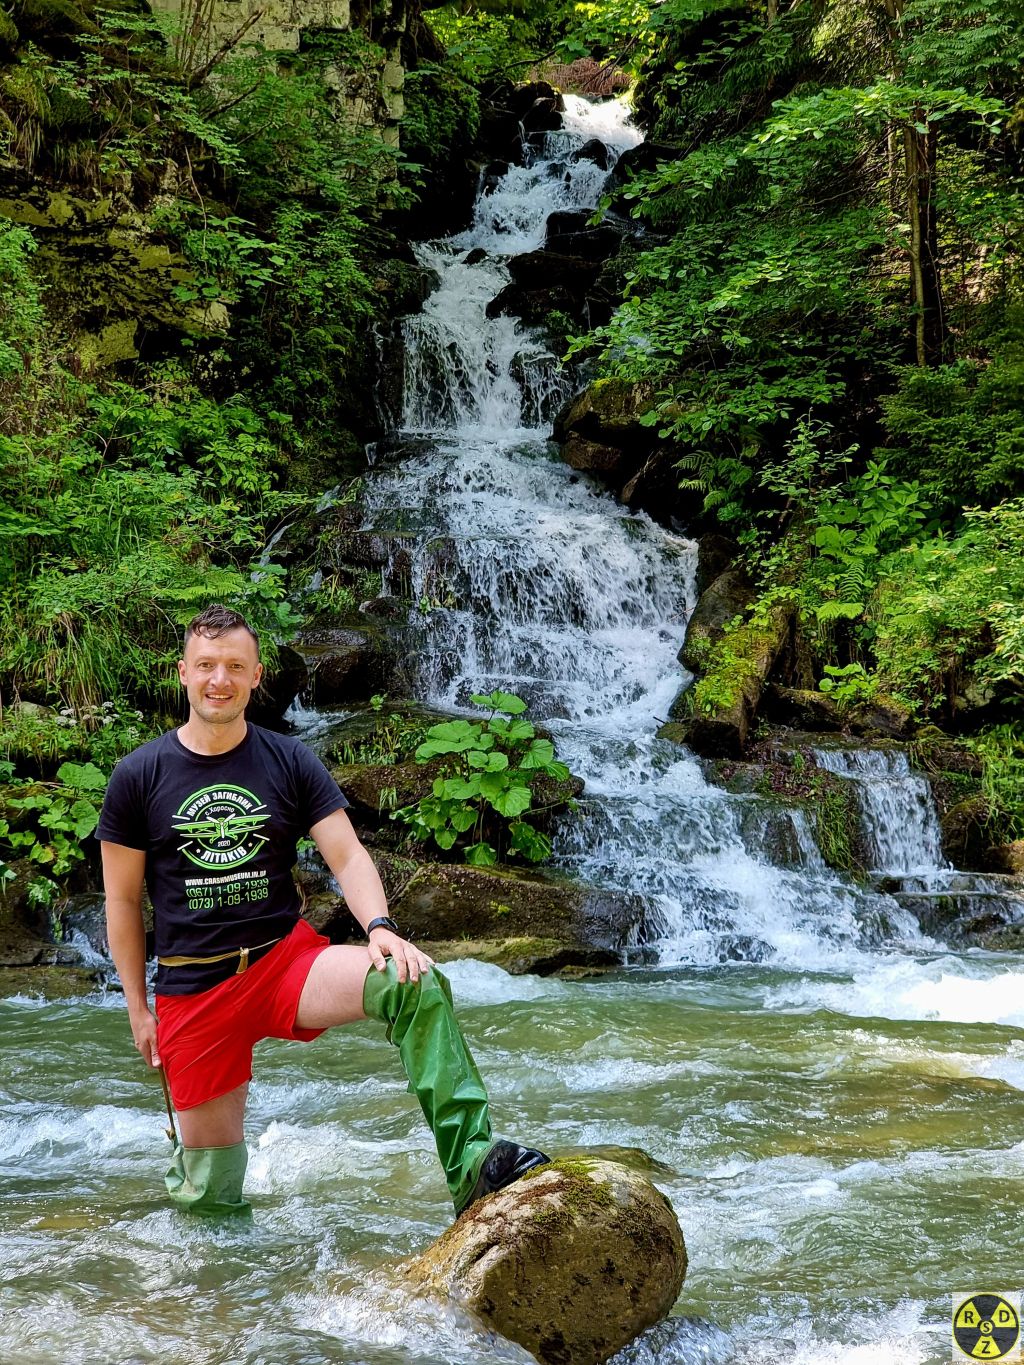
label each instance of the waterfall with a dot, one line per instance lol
(530, 578)
(898, 817)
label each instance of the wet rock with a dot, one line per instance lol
(639, 159)
(85, 914)
(566, 222)
(454, 902)
(587, 244)
(534, 306)
(715, 554)
(24, 929)
(539, 269)
(279, 689)
(964, 839)
(596, 151)
(1008, 858)
(609, 410)
(801, 708)
(478, 254)
(881, 716)
(543, 116)
(524, 956)
(573, 1262)
(591, 457)
(727, 598)
(344, 665)
(722, 728)
(48, 983)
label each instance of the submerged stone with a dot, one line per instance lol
(573, 1262)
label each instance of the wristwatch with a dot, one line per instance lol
(382, 922)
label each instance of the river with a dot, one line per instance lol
(834, 1100)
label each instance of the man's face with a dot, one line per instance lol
(219, 675)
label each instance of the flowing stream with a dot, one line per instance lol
(836, 1099)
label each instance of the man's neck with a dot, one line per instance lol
(202, 738)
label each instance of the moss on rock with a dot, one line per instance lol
(573, 1261)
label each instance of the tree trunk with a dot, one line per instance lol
(925, 279)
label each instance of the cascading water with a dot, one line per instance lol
(899, 819)
(835, 1103)
(531, 579)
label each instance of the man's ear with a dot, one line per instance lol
(257, 676)
(181, 672)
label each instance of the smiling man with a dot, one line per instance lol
(208, 817)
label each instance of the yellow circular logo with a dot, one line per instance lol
(985, 1327)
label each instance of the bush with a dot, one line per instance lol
(483, 798)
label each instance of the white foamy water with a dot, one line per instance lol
(900, 822)
(964, 990)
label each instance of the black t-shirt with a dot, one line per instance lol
(219, 833)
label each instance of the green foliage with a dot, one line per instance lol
(21, 313)
(442, 116)
(40, 738)
(1001, 750)
(849, 685)
(393, 740)
(949, 610)
(487, 788)
(127, 514)
(960, 427)
(47, 823)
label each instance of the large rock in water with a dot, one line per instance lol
(572, 1262)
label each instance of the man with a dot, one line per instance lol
(208, 816)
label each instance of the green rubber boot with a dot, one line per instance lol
(208, 1180)
(442, 1074)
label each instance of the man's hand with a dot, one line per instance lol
(409, 960)
(143, 1024)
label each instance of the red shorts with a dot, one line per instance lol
(205, 1041)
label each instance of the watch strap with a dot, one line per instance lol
(382, 922)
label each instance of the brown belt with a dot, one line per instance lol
(241, 953)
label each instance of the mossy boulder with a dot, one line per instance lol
(609, 411)
(573, 1262)
(722, 601)
(567, 924)
(524, 956)
(47, 982)
(1008, 858)
(965, 841)
(723, 707)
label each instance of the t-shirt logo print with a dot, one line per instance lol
(220, 826)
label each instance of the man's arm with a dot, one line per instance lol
(364, 895)
(124, 870)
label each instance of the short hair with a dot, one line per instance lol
(215, 620)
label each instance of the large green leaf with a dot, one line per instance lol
(84, 777)
(512, 802)
(501, 701)
(494, 762)
(481, 855)
(540, 753)
(511, 731)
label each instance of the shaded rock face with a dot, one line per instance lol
(572, 1262)
(556, 925)
(727, 597)
(723, 729)
(602, 432)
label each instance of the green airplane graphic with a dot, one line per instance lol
(232, 826)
